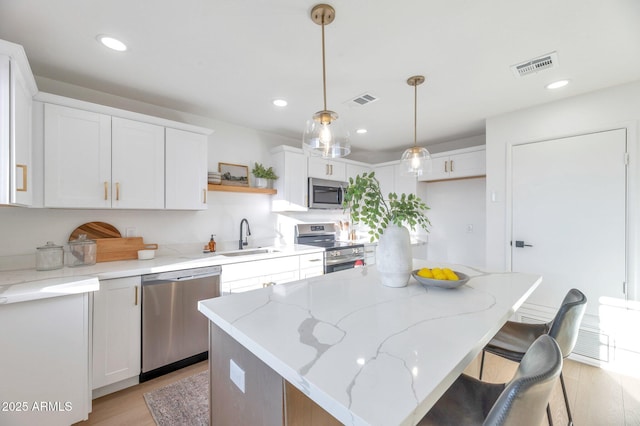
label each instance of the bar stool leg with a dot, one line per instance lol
(549, 416)
(566, 400)
(481, 365)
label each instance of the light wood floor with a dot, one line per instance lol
(598, 397)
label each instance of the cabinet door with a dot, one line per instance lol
(186, 170)
(137, 158)
(21, 128)
(468, 164)
(354, 170)
(386, 177)
(77, 158)
(292, 186)
(116, 331)
(436, 169)
(327, 169)
(403, 183)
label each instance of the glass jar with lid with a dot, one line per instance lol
(82, 251)
(50, 256)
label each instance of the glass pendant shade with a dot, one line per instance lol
(414, 160)
(324, 136)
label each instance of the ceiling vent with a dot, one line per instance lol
(364, 99)
(535, 65)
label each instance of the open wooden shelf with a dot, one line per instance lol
(245, 189)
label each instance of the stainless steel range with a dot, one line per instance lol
(338, 255)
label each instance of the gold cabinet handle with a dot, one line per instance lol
(446, 165)
(117, 191)
(331, 169)
(451, 165)
(204, 196)
(24, 177)
(136, 298)
(326, 169)
(105, 190)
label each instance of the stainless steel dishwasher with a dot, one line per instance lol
(174, 333)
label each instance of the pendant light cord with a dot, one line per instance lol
(324, 70)
(415, 115)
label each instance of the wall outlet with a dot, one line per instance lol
(470, 228)
(131, 232)
(236, 374)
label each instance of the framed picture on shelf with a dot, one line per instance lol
(234, 174)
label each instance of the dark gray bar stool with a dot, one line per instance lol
(514, 338)
(521, 402)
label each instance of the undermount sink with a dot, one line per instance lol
(250, 252)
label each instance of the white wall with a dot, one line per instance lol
(23, 229)
(614, 107)
(455, 206)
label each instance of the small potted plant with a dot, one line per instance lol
(263, 175)
(386, 219)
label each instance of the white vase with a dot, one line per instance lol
(393, 256)
(260, 183)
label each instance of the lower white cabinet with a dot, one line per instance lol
(116, 331)
(245, 276)
(311, 265)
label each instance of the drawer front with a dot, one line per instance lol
(311, 260)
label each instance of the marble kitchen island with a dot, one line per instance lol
(345, 345)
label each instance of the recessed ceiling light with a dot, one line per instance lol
(280, 102)
(557, 84)
(361, 131)
(112, 43)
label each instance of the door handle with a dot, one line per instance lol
(521, 244)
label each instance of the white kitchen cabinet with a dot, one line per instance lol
(327, 169)
(356, 169)
(186, 170)
(245, 276)
(455, 164)
(17, 88)
(95, 161)
(137, 165)
(392, 179)
(290, 164)
(77, 153)
(116, 331)
(311, 265)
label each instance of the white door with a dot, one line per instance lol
(569, 208)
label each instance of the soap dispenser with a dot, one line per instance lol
(212, 244)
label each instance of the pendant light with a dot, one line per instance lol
(323, 136)
(413, 159)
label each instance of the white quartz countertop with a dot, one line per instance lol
(28, 284)
(369, 354)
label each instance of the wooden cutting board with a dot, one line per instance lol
(95, 230)
(110, 249)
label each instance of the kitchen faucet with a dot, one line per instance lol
(244, 242)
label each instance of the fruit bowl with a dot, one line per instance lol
(463, 278)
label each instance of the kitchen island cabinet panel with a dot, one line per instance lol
(116, 331)
(77, 155)
(186, 170)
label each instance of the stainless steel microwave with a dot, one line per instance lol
(326, 194)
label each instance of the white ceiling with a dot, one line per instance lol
(228, 59)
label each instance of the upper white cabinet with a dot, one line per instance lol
(290, 164)
(186, 170)
(17, 88)
(392, 179)
(96, 160)
(77, 152)
(137, 165)
(456, 164)
(356, 169)
(327, 169)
